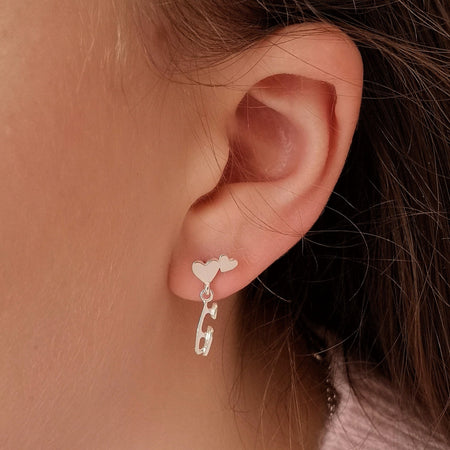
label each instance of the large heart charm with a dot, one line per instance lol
(205, 271)
(226, 264)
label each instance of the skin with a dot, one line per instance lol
(87, 194)
(96, 176)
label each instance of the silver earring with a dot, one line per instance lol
(206, 273)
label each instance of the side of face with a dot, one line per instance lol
(91, 181)
(113, 181)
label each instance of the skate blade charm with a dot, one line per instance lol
(206, 272)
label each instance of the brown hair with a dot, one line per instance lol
(373, 270)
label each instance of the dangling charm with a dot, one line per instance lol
(206, 273)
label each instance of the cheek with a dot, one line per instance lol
(76, 169)
(87, 208)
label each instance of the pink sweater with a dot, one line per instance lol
(375, 422)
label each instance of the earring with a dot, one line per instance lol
(206, 273)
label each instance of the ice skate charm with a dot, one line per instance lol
(206, 273)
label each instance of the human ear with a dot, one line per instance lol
(288, 134)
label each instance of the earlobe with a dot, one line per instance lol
(289, 135)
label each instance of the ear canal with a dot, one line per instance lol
(259, 130)
(271, 134)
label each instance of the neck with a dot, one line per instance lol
(187, 392)
(185, 400)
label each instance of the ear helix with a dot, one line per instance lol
(206, 272)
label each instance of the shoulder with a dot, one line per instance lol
(373, 420)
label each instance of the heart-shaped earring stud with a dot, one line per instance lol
(226, 264)
(206, 273)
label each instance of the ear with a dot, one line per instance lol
(288, 134)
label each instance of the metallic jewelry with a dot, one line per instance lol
(331, 393)
(206, 273)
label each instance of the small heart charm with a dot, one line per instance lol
(226, 264)
(205, 271)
